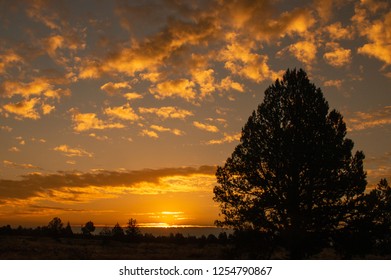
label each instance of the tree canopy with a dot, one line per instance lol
(293, 171)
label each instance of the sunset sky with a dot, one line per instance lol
(112, 110)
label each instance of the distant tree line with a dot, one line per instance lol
(130, 233)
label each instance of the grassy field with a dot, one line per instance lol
(47, 248)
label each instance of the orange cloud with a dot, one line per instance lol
(241, 60)
(39, 86)
(333, 83)
(6, 128)
(124, 112)
(148, 55)
(8, 163)
(149, 133)
(23, 109)
(338, 32)
(47, 109)
(87, 121)
(206, 127)
(227, 83)
(72, 152)
(365, 120)
(167, 112)
(115, 88)
(338, 56)
(132, 96)
(165, 129)
(7, 59)
(304, 51)
(174, 88)
(377, 32)
(228, 138)
(205, 79)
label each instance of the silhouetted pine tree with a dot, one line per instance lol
(293, 174)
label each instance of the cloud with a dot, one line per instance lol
(174, 88)
(6, 128)
(38, 86)
(338, 56)
(149, 133)
(337, 32)
(38, 140)
(228, 138)
(227, 84)
(150, 54)
(21, 140)
(333, 83)
(366, 120)
(7, 59)
(376, 31)
(205, 80)
(132, 96)
(115, 88)
(88, 121)
(47, 109)
(72, 152)
(304, 51)
(11, 164)
(51, 15)
(206, 127)
(66, 187)
(166, 129)
(124, 112)
(14, 149)
(24, 109)
(167, 112)
(240, 59)
(99, 137)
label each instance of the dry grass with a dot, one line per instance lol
(46, 248)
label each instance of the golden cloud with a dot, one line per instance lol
(338, 32)
(87, 121)
(47, 109)
(206, 127)
(148, 55)
(23, 109)
(6, 128)
(333, 83)
(72, 152)
(304, 51)
(75, 187)
(227, 84)
(167, 112)
(241, 60)
(14, 149)
(8, 163)
(39, 86)
(124, 112)
(377, 32)
(205, 80)
(115, 88)
(132, 96)
(7, 59)
(365, 120)
(174, 88)
(338, 56)
(228, 138)
(149, 133)
(165, 129)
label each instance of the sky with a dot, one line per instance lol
(111, 110)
